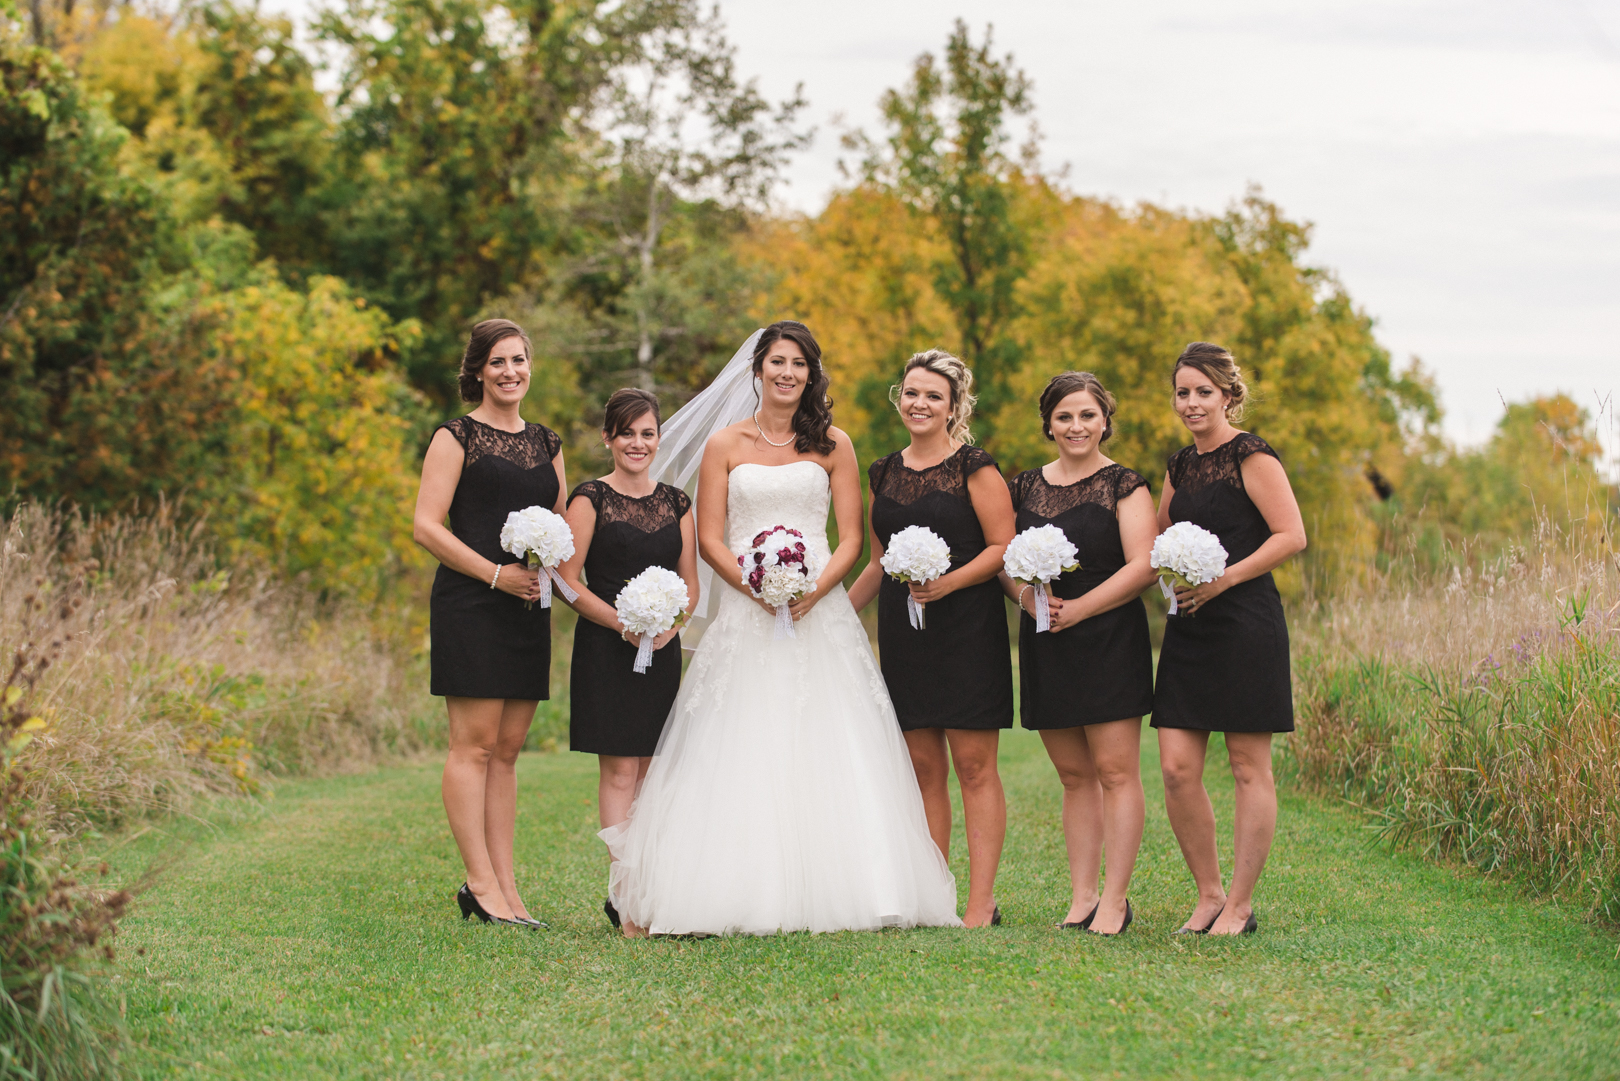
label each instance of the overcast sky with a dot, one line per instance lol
(1460, 161)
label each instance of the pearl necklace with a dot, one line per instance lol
(767, 438)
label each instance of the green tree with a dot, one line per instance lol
(77, 240)
(683, 138)
(455, 166)
(226, 119)
(946, 157)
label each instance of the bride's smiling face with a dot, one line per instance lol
(783, 374)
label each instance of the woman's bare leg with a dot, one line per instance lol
(984, 809)
(617, 778)
(932, 767)
(500, 798)
(1116, 752)
(1181, 757)
(475, 729)
(1253, 825)
(1082, 816)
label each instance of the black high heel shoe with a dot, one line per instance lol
(995, 917)
(611, 913)
(1122, 927)
(1251, 926)
(1204, 930)
(1085, 924)
(470, 907)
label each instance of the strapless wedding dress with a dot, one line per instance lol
(781, 797)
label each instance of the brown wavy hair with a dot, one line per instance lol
(626, 406)
(812, 421)
(1220, 368)
(1062, 385)
(484, 337)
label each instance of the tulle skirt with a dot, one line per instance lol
(782, 797)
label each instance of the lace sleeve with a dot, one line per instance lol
(1128, 481)
(975, 459)
(551, 441)
(457, 429)
(1019, 487)
(589, 489)
(1248, 443)
(876, 472)
(1177, 466)
(679, 500)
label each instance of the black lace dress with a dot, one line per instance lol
(1225, 668)
(614, 710)
(485, 643)
(1100, 669)
(957, 671)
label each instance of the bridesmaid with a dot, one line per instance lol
(1088, 681)
(624, 523)
(1224, 663)
(491, 654)
(951, 682)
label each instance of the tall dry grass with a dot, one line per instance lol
(177, 676)
(1478, 715)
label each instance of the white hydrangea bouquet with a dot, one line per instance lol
(1186, 555)
(542, 539)
(1035, 557)
(916, 554)
(649, 604)
(778, 569)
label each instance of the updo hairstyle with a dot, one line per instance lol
(1062, 385)
(484, 337)
(626, 406)
(959, 376)
(1219, 368)
(813, 418)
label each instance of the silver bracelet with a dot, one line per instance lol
(497, 577)
(1020, 601)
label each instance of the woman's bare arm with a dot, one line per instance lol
(866, 587)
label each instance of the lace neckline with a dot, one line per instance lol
(900, 456)
(636, 498)
(1206, 453)
(491, 427)
(1087, 479)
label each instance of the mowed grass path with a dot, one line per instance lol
(318, 938)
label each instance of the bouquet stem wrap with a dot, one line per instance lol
(547, 575)
(1043, 611)
(644, 655)
(784, 622)
(917, 613)
(1169, 592)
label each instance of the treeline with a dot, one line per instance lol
(221, 284)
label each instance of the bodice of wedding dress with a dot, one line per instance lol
(760, 497)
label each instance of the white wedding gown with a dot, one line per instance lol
(781, 797)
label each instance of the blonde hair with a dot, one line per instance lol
(959, 376)
(1219, 367)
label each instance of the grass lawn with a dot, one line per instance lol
(318, 938)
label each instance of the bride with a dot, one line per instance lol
(781, 797)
